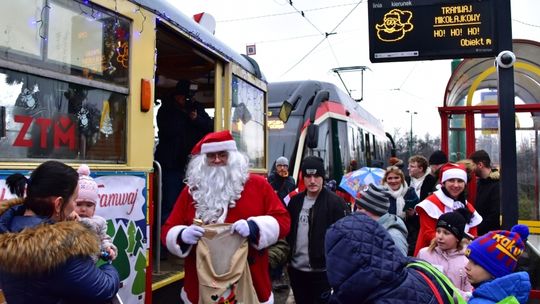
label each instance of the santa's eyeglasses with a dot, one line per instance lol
(222, 155)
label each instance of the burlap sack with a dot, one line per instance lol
(222, 267)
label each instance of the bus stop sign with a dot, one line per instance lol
(431, 29)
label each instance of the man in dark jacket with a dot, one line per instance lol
(419, 177)
(436, 160)
(423, 184)
(488, 202)
(182, 122)
(312, 212)
(280, 180)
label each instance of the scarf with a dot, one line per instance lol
(416, 183)
(398, 196)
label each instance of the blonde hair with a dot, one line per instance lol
(460, 245)
(397, 171)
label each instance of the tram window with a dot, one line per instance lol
(341, 157)
(362, 142)
(68, 37)
(16, 35)
(47, 118)
(248, 121)
(374, 146)
(323, 147)
(351, 135)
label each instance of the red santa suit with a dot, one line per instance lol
(438, 203)
(258, 203)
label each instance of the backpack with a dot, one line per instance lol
(450, 291)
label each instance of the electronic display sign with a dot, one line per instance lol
(431, 29)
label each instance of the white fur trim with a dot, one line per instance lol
(433, 211)
(475, 221)
(268, 230)
(228, 145)
(454, 173)
(183, 296)
(449, 205)
(171, 241)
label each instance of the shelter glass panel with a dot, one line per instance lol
(527, 173)
(456, 137)
(527, 136)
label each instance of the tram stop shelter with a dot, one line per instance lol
(470, 121)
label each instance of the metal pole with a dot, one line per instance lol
(410, 142)
(507, 128)
(411, 133)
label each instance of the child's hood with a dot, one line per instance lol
(517, 284)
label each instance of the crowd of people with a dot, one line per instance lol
(414, 237)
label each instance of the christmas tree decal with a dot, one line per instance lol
(111, 231)
(138, 241)
(140, 276)
(131, 237)
(105, 124)
(121, 263)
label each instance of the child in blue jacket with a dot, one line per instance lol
(492, 259)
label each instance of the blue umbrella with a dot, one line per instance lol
(354, 182)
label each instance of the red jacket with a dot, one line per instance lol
(258, 202)
(429, 211)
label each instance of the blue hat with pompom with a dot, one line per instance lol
(498, 251)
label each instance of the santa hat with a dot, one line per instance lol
(498, 251)
(88, 190)
(215, 142)
(450, 170)
(207, 21)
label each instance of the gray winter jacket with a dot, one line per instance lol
(397, 230)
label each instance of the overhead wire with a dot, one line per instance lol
(318, 30)
(320, 42)
(285, 13)
(302, 36)
(306, 18)
(526, 23)
(408, 75)
(285, 39)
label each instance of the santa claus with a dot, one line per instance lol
(221, 190)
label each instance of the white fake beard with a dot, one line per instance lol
(215, 189)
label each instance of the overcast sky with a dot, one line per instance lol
(283, 38)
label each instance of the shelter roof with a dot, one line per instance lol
(480, 73)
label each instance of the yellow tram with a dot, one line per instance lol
(81, 82)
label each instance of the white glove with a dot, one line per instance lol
(192, 234)
(242, 227)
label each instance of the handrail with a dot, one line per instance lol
(157, 215)
(534, 294)
(533, 249)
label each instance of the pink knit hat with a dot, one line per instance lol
(88, 191)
